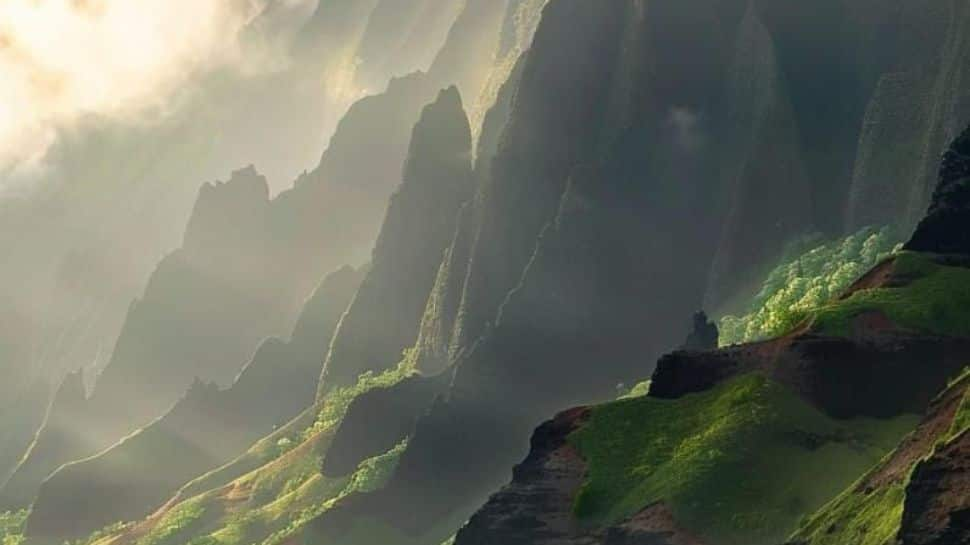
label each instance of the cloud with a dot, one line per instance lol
(62, 60)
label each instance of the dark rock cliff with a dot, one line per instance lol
(703, 333)
(937, 508)
(944, 229)
(384, 317)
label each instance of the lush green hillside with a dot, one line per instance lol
(924, 295)
(741, 463)
(871, 511)
(276, 499)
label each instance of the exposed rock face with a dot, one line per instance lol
(944, 229)
(439, 338)
(846, 378)
(937, 509)
(537, 507)
(385, 315)
(206, 428)
(703, 334)
(769, 198)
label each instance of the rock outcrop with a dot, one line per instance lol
(703, 334)
(944, 229)
(937, 507)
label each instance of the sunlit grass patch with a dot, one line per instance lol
(742, 463)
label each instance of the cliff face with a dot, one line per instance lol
(384, 317)
(686, 145)
(206, 428)
(641, 155)
(943, 230)
(937, 510)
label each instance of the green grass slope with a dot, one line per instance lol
(739, 464)
(924, 295)
(870, 512)
(270, 493)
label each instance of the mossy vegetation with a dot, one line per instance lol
(175, 522)
(861, 519)
(866, 515)
(739, 464)
(934, 298)
(12, 527)
(804, 280)
(639, 390)
(961, 421)
(275, 500)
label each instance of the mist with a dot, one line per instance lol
(115, 60)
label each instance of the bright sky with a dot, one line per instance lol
(61, 59)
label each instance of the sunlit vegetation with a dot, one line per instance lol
(12, 527)
(961, 421)
(174, 522)
(336, 403)
(103, 533)
(275, 500)
(742, 463)
(805, 280)
(861, 519)
(933, 298)
(872, 516)
(639, 390)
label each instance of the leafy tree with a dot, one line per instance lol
(806, 280)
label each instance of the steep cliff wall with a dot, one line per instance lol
(384, 317)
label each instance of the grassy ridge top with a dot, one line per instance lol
(930, 298)
(739, 464)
